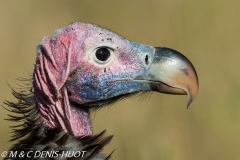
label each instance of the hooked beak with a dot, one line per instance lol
(169, 71)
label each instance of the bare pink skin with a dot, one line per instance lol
(57, 57)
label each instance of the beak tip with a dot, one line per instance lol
(189, 104)
(191, 98)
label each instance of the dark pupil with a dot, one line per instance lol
(146, 59)
(102, 54)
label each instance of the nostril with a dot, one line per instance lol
(146, 59)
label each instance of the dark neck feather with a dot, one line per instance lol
(34, 135)
(24, 111)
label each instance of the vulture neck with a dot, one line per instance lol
(69, 117)
(72, 119)
(78, 122)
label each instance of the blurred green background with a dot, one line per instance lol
(160, 126)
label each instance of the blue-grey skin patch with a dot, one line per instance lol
(108, 86)
(141, 48)
(143, 51)
(88, 93)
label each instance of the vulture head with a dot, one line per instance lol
(83, 67)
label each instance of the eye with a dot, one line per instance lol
(102, 54)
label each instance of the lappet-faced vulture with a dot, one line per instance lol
(80, 68)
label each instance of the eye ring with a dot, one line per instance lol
(102, 54)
